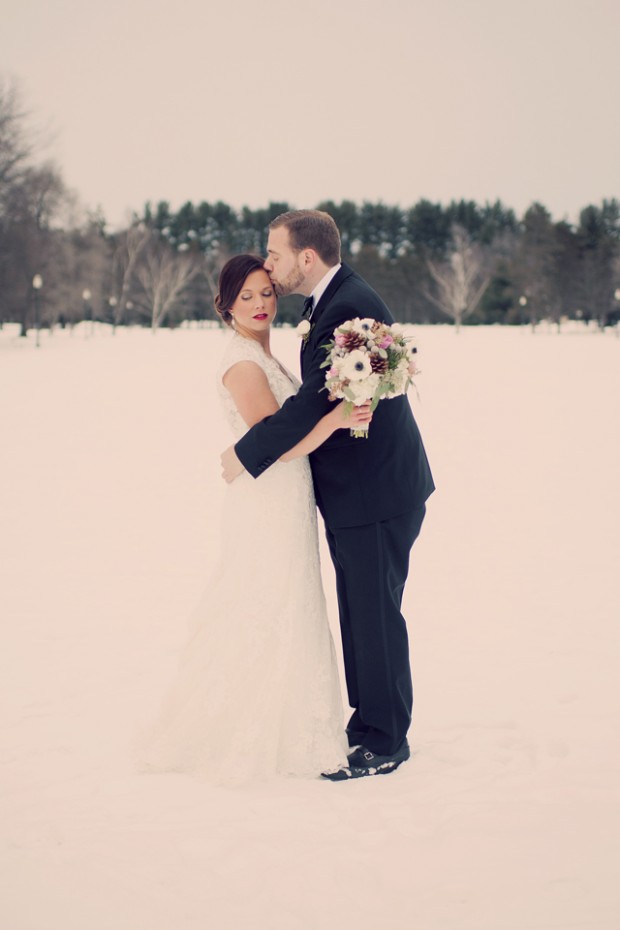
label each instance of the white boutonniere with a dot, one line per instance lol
(303, 330)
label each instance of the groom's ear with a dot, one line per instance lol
(309, 259)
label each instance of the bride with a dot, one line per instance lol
(257, 691)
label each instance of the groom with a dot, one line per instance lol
(371, 492)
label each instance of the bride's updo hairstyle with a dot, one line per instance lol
(232, 279)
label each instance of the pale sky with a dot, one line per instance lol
(388, 100)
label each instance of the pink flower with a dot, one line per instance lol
(340, 339)
(386, 342)
(333, 373)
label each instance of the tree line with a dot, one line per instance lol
(462, 262)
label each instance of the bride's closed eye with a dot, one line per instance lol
(266, 293)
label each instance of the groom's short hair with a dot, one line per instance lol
(311, 229)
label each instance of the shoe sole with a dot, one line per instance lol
(350, 772)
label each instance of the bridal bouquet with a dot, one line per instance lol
(367, 361)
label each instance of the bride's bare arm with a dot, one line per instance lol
(249, 387)
(327, 425)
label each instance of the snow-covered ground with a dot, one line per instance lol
(506, 818)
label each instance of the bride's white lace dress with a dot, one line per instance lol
(257, 690)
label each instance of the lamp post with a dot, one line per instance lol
(37, 284)
(86, 295)
(522, 306)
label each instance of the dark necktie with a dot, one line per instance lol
(308, 308)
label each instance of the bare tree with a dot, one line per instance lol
(30, 208)
(163, 275)
(31, 197)
(14, 154)
(130, 247)
(212, 265)
(80, 263)
(15, 148)
(461, 280)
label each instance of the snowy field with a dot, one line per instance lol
(507, 816)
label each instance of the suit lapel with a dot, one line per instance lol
(341, 275)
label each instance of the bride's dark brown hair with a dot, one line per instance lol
(232, 278)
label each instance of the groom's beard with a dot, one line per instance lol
(290, 284)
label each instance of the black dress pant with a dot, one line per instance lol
(372, 563)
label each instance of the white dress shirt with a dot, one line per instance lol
(321, 287)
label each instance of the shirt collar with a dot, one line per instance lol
(323, 284)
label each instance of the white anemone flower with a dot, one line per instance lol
(364, 327)
(356, 366)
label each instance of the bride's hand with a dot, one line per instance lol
(340, 420)
(231, 466)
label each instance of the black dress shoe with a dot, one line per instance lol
(363, 762)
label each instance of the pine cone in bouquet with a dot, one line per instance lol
(378, 364)
(353, 340)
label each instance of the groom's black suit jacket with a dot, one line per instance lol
(356, 481)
